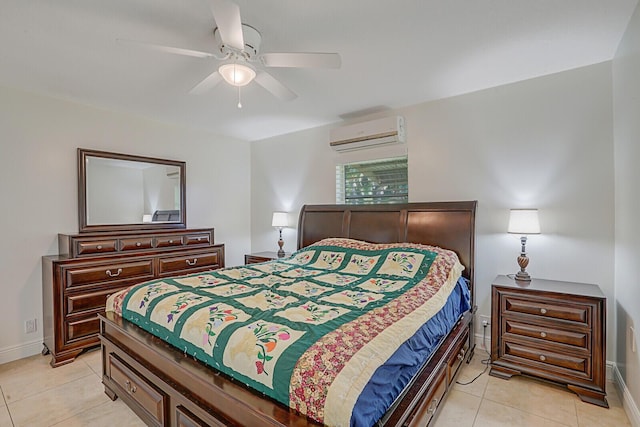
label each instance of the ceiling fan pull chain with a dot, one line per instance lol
(239, 100)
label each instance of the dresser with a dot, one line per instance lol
(552, 330)
(92, 266)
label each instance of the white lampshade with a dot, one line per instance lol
(279, 219)
(237, 74)
(524, 221)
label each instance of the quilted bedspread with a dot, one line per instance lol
(308, 330)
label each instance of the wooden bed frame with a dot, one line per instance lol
(166, 387)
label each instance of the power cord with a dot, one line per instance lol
(486, 362)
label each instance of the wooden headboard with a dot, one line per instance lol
(449, 225)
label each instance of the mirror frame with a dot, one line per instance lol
(82, 193)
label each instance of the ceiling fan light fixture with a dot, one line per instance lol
(237, 74)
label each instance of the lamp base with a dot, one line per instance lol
(522, 276)
(523, 262)
(280, 244)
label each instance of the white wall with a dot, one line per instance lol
(38, 141)
(626, 107)
(545, 143)
(115, 194)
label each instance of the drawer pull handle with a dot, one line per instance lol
(199, 238)
(138, 244)
(192, 263)
(432, 407)
(170, 241)
(110, 274)
(542, 357)
(99, 247)
(543, 334)
(130, 388)
(543, 310)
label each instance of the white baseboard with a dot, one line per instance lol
(9, 354)
(611, 366)
(630, 406)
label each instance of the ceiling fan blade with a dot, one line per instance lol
(279, 90)
(208, 83)
(302, 60)
(169, 49)
(227, 16)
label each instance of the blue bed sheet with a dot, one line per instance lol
(390, 379)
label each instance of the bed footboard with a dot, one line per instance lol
(167, 388)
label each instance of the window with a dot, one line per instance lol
(380, 181)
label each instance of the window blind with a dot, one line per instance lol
(380, 181)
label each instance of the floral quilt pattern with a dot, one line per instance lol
(289, 328)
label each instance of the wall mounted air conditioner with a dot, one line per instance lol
(385, 131)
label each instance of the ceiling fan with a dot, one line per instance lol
(238, 49)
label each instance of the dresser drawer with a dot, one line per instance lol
(196, 239)
(168, 241)
(96, 247)
(573, 312)
(135, 244)
(428, 407)
(77, 303)
(571, 363)
(576, 339)
(185, 263)
(150, 399)
(116, 272)
(82, 328)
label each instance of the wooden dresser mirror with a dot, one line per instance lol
(120, 192)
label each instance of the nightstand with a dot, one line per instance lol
(552, 330)
(257, 257)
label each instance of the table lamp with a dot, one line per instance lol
(523, 222)
(280, 221)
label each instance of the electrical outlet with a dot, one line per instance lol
(30, 326)
(485, 320)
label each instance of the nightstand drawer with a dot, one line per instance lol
(251, 259)
(573, 312)
(576, 339)
(258, 257)
(566, 361)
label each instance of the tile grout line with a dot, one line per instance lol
(50, 388)
(534, 413)
(6, 405)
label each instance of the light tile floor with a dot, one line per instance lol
(34, 394)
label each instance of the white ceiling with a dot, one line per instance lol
(394, 53)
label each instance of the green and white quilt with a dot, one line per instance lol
(308, 330)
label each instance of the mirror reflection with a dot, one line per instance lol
(130, 192)
(119, 192)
